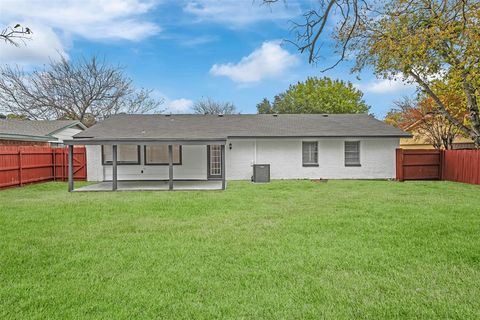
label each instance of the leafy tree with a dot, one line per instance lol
(316, 95)
(418, 40)
(209, 106)
(422, 119)
(16, 116)
(424, 40)
(265, 106)
(85, 90)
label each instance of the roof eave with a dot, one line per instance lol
(322, 136)
(143, 141)
(76, 123)
(184, 141)
(22, 137)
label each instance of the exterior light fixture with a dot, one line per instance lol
(230, 146)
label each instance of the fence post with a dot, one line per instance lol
(62, 165)
(70, 168)
(84, 160)
(399, 164)
(65, 164)
(54, 169)
(20, 166)
(441, 166)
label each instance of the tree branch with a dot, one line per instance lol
(442, 108)
(15, 35)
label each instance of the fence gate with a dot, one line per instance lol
(79, 163)
(429, 164)
(419, 164)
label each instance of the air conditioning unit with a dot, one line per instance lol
(261, 173)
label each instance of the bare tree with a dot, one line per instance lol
(85, 90)
(16, 35)
(307, 34)
(208, 106)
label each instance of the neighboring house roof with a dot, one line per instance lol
(419, 139)
(210, 127)
(34, 130)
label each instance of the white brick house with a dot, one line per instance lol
(213, 147)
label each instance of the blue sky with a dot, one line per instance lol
(229, 50)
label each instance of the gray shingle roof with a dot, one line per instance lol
(40, 128)
(204, 127)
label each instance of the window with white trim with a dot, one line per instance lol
(158, 154)
(126, 154)
(352, 153)
(310, 153)
(215, 155)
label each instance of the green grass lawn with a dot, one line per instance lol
(293, 249)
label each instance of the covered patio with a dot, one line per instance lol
(148, 184)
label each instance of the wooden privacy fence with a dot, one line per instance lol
(419, 164)
(22, 165)
(451, 165)
(461, 166)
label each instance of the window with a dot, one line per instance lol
(352, 153)
(310, 153)
(158, 154)
(126, 154)
(215, 160)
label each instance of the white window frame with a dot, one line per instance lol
(310, 164)
(175, 163)
(359, 151)
(215, 160)
(119, 161)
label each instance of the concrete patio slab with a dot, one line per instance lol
(151, 186)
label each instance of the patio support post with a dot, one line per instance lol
(222, 148)
(114, 167)
(170, 167)
(70, 168)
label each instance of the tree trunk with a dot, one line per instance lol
(473, 111)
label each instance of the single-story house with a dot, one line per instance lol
(38, 132)
(144, 151)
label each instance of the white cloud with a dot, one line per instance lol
(54, 22)
(179, 105)
(238, 13)
(91, 19)
(386, 86)
(47, 45)
(197, 41)
(268, 61)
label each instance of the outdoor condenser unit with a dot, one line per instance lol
(261, 173)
